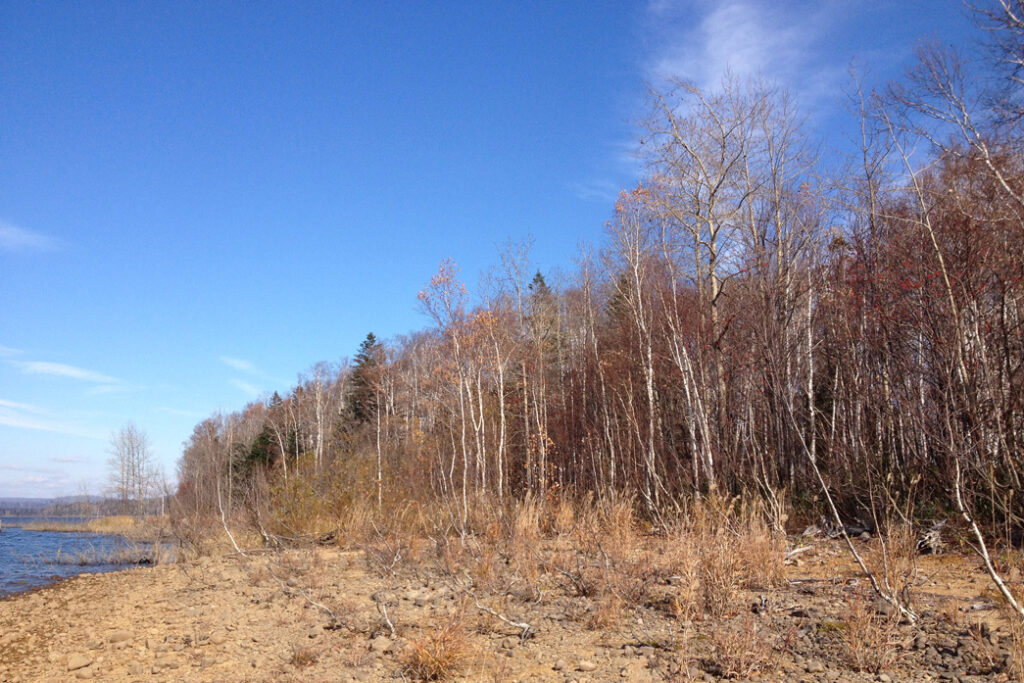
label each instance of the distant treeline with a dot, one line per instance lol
(71, 506)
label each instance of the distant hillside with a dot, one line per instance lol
(74, 506)
(24, 504)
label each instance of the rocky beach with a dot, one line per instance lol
(322, 613)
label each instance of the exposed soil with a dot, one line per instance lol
(253, 618)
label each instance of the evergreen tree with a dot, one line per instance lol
(543, 315)
(363, 397)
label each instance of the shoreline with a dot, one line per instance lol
(31, 558)
(55, 580)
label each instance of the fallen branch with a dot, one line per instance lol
(335, 622)
(380, 599)
(526, 630)
(224, 521)
(790, 554)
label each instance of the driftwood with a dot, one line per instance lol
(790, 554)
(931, 543)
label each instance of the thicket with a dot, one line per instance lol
(761, 319)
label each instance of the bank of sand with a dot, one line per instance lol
(232, 618)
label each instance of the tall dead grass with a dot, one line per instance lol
(128, 553)
(720, 547)
(738, 654)
(121, 525)
(892, 558)
(600, 550)
(869, 637)
(597, 549)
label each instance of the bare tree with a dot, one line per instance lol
(132, 473)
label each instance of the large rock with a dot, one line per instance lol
(119, 636)
(77, 661)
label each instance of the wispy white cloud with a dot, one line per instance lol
(62, 370)
(701, 42)
(13, 238)
(7, 351)
(604, 191)
(250, 389)
(239, 364)
(251, 369)
(20, 416)
(34, 482)
(21, 406)
(181, 413)
(104, 389)
(65, 460)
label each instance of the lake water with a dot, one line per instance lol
(29, 559)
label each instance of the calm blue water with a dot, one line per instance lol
(29, 559)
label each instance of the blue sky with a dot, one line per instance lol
(198, 201)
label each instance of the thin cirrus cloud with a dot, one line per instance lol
(239, 364)
(62, 370)
(25, 416)
(181, 413)
(702, 42)
(23, 407)
(117, 388)
(248, 368)
(246, 387)
(14, 238)
(605, 191)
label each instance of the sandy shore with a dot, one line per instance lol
(321, 615)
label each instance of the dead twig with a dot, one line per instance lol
(526, 630)
(335, 621)
(380, 598)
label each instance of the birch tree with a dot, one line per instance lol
(131, 470)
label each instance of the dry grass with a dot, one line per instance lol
(576, 566)
(123, 525)
(441, 653)
(718, 568)
(617, 520)
(526, 522)
(1016, 645)
(1014, 642)
(721, 547)
(356, 524)
(605, 613)
(892, 558)
(389, 541)
(562, 516)
(739, 653)
(122, 554)
(869, 638)
(303, 656)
